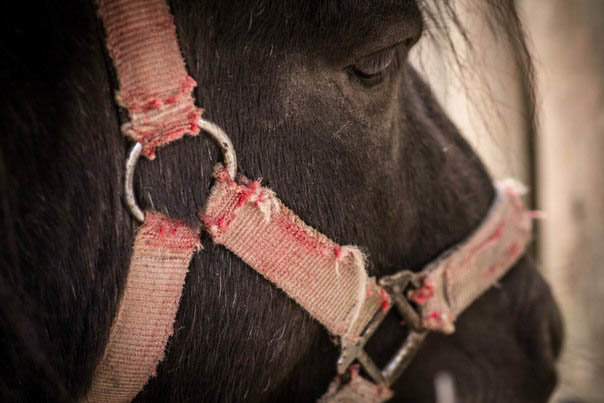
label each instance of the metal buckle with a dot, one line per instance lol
(395, 286)
(223, 140)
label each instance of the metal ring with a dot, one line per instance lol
(225, 144)
(135, 210)
(223, 140)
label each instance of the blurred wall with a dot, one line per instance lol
(568, 41)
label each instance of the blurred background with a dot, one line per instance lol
(561, 158)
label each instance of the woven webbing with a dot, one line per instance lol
(328, 280)
(453, 282)
(160, 260)
(154, 85)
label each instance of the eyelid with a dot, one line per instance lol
(379, 61)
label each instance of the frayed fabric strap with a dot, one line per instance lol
(328, 280)
(453, 282)
(160, 260)
(154, 85)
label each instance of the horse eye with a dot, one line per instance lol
(371, 70)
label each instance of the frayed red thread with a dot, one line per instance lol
(193, 121)
(385, 300)
(188, 84)
(165, 226)
(423, 294)
(338, 252)
(247, 193)
(194, 117)
(156, 103)
(222, 175)
(221, 223)
(434, 317)
(151, 139)
(168, 233)
(216, 224)
(439, 320)
(153, 104)
(149, 151)
(145, 135)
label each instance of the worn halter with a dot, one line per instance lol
(326, 279)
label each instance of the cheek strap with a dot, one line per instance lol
(162, 251)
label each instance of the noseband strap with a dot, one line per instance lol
(326, 279)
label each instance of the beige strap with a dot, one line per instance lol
(160, 260)
(154, 85)
(328, 280)
(453, 282)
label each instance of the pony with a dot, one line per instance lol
(321, 102)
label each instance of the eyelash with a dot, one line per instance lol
(378, 64)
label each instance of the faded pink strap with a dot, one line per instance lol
(154, 85)
(162, 252)
(454, 281)
(328, 280)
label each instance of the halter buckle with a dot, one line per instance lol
(395, 285)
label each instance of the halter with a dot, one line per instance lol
(326, 279)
